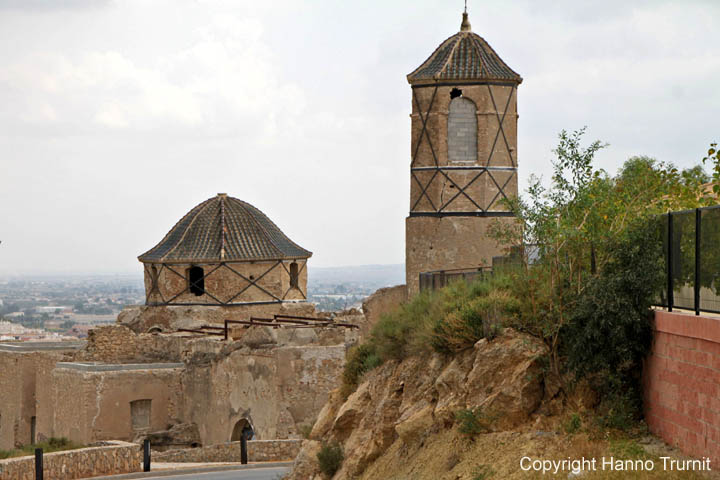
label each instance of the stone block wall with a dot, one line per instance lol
(682, 383)
(116, 458)
(258, 451)
(379, 303)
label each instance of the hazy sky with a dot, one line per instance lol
(117, 117)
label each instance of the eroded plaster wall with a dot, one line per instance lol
(277, 390)
(226, 283)
(94, 406)
(20, 401)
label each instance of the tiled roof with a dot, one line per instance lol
(464, 56)
(224, 229)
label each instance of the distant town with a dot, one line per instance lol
(52, 308)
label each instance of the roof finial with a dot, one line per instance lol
(465, 25)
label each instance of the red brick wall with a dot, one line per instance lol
(682, 383)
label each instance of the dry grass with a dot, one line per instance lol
(448, 455)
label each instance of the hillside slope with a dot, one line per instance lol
(402, 421)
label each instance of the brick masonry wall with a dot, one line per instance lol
(682, 383)
(258, 451)
(120, 457)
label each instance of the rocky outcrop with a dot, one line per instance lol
(402, 403)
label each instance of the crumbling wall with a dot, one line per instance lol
(20, 401)
(381, 302)
(142, 319)
(96, 405)
(277, 390)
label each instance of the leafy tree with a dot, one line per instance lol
(576, 225)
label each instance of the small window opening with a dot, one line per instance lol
(294, 274)
(252, 277)
(140, 415)
(455, 92)
(33, 424)
(196, 280)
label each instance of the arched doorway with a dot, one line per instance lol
(242, 428)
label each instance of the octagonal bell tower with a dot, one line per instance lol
(463, 155)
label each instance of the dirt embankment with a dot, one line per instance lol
(401, 424)
(403, 407)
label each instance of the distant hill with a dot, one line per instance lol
(380, 275)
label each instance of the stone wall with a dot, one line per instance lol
(381, 302)
(449, 242)
(223, 284)
(142, 319)
(682, 383)
(446, 243)
(22, 367)
(93, 402)
(277, 390)
(116, 458)
(258, 451)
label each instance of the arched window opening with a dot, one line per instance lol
(196, 280)
(153, 279)
(294, 275)
(140, 415)
(242, 428)
(462, 131)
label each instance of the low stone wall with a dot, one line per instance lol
(258, 451)
(119, 457)
(682, 383)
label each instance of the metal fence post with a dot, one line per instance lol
(670, 263)
(38, 464)
(146, 455)
(698, 221)
(243, 450)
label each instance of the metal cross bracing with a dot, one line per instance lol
(251, 283)
(445, 171)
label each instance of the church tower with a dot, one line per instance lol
(463, 155)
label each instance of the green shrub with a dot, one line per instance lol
(610, 329)
(360, 359)
(472, 422)
(444, 321)
(573, 424)
(52, 444)
(330, 458)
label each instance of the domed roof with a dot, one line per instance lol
(224, 229)
(464, 56)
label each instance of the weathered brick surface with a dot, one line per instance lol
(120, 457)
(682, 383)
(258, 451)
(446, 136)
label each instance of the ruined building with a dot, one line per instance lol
(166, 370)
(225, 252)
(224, 259)
(464, 155)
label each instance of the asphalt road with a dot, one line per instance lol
(254, 474)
